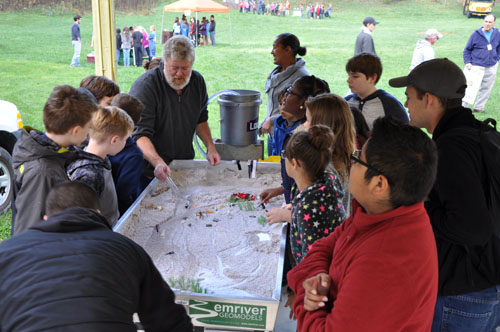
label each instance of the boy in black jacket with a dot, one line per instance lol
(73, 273)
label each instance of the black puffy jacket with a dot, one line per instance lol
(72, 273)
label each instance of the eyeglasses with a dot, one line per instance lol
(289, 91)
(356, 158)
(283, 154)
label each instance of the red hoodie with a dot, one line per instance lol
(384, 273)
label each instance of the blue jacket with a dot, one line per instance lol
(126, 168)
(476, 51)
(281, 135)
(281, 130)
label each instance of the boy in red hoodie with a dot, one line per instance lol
(378, 271)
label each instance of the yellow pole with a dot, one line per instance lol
(103, 18)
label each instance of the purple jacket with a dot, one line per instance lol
(476, 51)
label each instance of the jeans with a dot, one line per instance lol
(472, 312)
(77, 46)
(138, 56)
(117, 56)
(212, 37)
(126, 57)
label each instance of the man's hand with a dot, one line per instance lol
(213, 157)
(278, 215)
(162, 171)
(266, 127)
(468, 66)
(316, 291)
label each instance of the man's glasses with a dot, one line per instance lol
(356, 158)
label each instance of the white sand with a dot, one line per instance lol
(212, 240)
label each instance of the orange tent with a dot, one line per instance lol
(196, 6)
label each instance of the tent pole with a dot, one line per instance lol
(197, 29)
(230, 30)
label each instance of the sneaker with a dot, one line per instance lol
(478, 111)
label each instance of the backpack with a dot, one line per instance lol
(489, 140)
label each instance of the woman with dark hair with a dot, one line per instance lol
(295, 99)
(286, 47)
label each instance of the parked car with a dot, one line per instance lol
(10, 130)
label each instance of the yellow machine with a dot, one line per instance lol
(478, 7)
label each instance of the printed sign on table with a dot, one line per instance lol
(228, 314)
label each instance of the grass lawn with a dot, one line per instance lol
(35, 55)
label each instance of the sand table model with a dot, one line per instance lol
(201, 234)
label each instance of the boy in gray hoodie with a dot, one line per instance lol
(40, 158)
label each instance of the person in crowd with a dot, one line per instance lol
(482, 54)
(378, 270)
(148, 65)
(39, 159)
(296, 96)
(333, 111)
(71, 272)
(171, 117)
(192, 31)
(316, 195)
(364, 41)
(145, 41)
(103, 89)
(137, 44)
(176, 29)
(185, 28)
(126, 46)
(152, 41)
(458, 204)
(288, 69)
(126, 165)
(364, 72)
(212, 30)
(424, 51)
(76, 40)
(203, 31)
(111, 127)
(118, 38)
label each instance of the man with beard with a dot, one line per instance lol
(175, 99)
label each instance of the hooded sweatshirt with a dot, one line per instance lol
(72, 273)
(277, 81)
(423, 52)
(96, 172)
(39, 165)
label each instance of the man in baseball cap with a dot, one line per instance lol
(364, 41)
(469, 259)
(423, 50)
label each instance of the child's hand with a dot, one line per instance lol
(316, 291)
(289, 303)
(277, 215)
(267, 194)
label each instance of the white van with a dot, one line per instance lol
(10, 130)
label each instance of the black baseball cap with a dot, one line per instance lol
(440, 77)
(369, 20)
